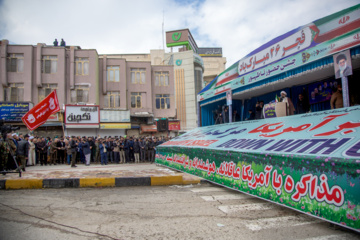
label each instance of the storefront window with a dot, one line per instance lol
(80, 94)
(15, 62)
(112, 100)
(46, 90)
(136, 100)
(162, 101)
(138, 75)
(14, 92)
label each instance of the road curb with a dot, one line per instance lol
(167, 180)
(96, 182)
(23, 183)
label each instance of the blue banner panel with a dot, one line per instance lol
(13, 112)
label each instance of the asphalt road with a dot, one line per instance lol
(170, 212)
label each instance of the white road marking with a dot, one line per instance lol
(246, 207)
(279, 222)
(225, 197)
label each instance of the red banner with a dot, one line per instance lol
(38, 115)
(174, 126)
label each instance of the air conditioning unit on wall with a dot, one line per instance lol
(162, 125)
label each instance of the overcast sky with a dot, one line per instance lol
(133, 26)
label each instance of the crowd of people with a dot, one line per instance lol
(222, 115)
(32, 150)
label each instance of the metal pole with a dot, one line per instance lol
(230, 114)
(198, 113)
(345, 91)
(242, 110)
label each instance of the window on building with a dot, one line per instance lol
(80, 94)
(112, 100)
(15, 62)
(49, 64)
(161, 78)
(14, 92)
(137, 75)
(136, 100)
(46, 90)
(162, 101)
(113, 74)
(82, 66)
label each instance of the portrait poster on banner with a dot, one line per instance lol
(228, 98)
(342, 64)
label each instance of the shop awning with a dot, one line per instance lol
(115, 125)
(82, 125)
(148, 128)
(51, 124)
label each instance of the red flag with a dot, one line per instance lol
(38, 115)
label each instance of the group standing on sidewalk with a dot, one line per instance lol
(30, 150)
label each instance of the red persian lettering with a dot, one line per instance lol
(259, 180)
(289, 184)
(276, 182)
(289, 129)
(327, 120)
(267, 175)
(309, 184)
(247, 173)
(301, 187)
(229, 169)
(266, 128)
(347, 125)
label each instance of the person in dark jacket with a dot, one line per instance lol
(259, 110)
(86, 150)
(109, 149)
(131, 149)
(225, 114)
(152, 145)
(93, 148)
(23, 152)
(103, 155)
(136, 150)
(302, 105)
(127, 151)
(142, 145)
(73, 146)
(122, 151)
(42, 148)
(251, 115)
(61, 151)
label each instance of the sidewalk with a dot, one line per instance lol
(95, 175)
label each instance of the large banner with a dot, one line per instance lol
(291, 50)
(308, 162)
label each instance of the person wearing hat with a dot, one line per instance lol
(290, 106)
(23, 152)
(31, 157)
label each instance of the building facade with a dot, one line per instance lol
(127, 92)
